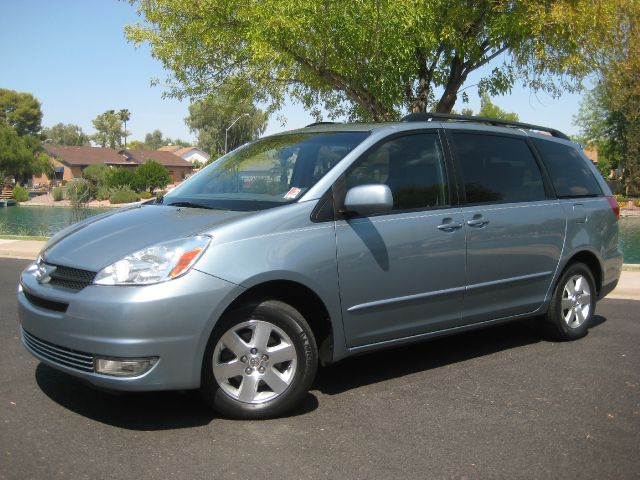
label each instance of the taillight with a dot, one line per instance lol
(613, 203)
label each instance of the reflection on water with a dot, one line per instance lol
(630, 239)
(41, 221)
(46, 221)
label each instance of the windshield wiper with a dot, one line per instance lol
(188, 205)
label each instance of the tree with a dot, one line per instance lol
(109, 130)
(20, 111)
(491, 110)
(210, 117)
(154, 140)
(376, 59)
(610, 114)
(152, 175)
(16, 155)
(125, 116)
(65, 134)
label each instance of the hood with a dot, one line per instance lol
(102, 240)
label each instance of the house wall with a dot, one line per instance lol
(195, 155)
(178, 174)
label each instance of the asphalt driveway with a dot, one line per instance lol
(497, 403)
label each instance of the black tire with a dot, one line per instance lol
(563, 322)
(284, 321)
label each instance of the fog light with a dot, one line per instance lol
(124, 367)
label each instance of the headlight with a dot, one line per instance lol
(159, 263)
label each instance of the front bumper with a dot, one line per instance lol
(171, 321)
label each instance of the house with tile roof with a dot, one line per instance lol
(190, 154)
(69, 162)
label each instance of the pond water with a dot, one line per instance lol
(46, 221)
(41, 221)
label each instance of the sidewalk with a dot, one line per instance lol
(628, 288)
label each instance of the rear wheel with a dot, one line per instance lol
(259, 362)
(573, 304)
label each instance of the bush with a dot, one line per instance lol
(97, 173)
(121, 177)
(58, 194)
(103, 193)
(20, 194)
(123, 196)
(80, 192)
(161, 193)
(152, 175)
(145, 195)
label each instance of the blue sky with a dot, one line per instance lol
(73, 56)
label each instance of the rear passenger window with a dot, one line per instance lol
(570, 174)
(412, 167)
(497, 169)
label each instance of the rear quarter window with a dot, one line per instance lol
(569, 172)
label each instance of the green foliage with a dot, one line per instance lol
(152, 175)
(103, 192)
(20, 194)
(161, 193)
(145, 195)
(489, 109)
(123, 196)
(211, 117)
(109, 130)
(98, 174)
(65, 134)
(372, 60)
(80, 192)
(20, 111)
(16, 154)
(154, 140)
(609, 115)
(119, 177)
(58, 194)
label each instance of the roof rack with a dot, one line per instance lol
(426, 117)
(319, 123)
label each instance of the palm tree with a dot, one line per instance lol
(125, 116)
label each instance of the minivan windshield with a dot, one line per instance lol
(266, 173)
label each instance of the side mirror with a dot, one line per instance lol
(368, 199)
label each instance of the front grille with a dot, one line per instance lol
(45, 303)
(72, 278)
(61, 355)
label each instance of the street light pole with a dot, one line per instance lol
(226, 132)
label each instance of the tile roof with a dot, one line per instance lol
(170, 148)
(167, 159)
(82, 156)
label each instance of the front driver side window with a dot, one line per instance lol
(413, 168)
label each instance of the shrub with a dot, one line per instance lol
(103, 192)
(124, 196)
(80, 192)
(121, 177)
(20, 194)
(145, 195)
(636, 202)
(97, 173)
(161, 193)
(152, 175)
(58, 194)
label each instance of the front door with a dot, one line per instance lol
(402, 273)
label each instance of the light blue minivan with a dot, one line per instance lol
(332, 240)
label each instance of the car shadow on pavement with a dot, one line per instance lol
(148, 411)
(397, 362)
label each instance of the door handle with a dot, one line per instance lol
(449, 227)
(478, 222)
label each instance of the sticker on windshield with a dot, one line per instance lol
(292, 193)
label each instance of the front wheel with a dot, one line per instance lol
(573, 304)
(260, 361)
